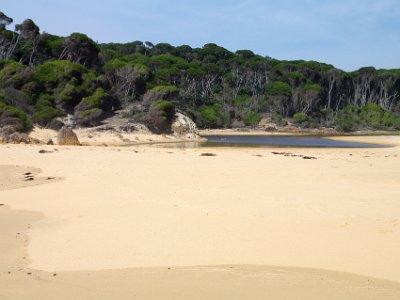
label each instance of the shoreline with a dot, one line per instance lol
(298, 132)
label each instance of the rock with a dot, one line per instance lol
(18, 138)
(9, 134)
(55, 124)
(50, 142)
(183, 126)
(11, 121)
(89, 117)
(7, 130)
(267, 124)
(67, 137)
(69, 120)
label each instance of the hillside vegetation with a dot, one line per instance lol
(44, 77)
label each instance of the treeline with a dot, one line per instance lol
(44, 77)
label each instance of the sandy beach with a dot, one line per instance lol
(165, 223)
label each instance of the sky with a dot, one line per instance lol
(349, 34)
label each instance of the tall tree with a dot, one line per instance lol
(8, 40)
(80, 49)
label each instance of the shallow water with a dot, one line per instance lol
(282, 141)
(255, 141)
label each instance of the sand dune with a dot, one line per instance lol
(141, 210)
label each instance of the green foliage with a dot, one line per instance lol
(293, 76)
(114, 64)
(46, 114)
(290, 66)
(312, 87)
(373, 116)
(167, 108)
(300, 118)
(279, 120)
(252, 118)
(57, 71)
(392, 72)
(45, 111)
(16, 113)
(70, 94)
(246, 54)
(160, 116)
(241, 101)
(11, 74)
(370, 116)
(211, 82)
(91, 113)
(90, 109)
(212, 116)
(164, 88)
(279, 88)
(348, 119)
(97, 99)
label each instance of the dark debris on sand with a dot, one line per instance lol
(208, 154)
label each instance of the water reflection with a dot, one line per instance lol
(269, 141)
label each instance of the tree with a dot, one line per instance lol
(79, 48)
(30, 32)
(8, 41)
(160, 116)
(125, 79)
(148, 46)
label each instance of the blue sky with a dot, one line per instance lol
(346, 33)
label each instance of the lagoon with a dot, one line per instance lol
(281, 141)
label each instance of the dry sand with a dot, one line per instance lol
(123, 216)
(94, 137)
(15, 177)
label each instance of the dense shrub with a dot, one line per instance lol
(300, 118)
(160, 116)
(57, 71)
(252, 118)
(279, 120)
(10, 115)
(212, 116)
(279, 88)
(370, 116)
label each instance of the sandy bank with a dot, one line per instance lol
(93, 137)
